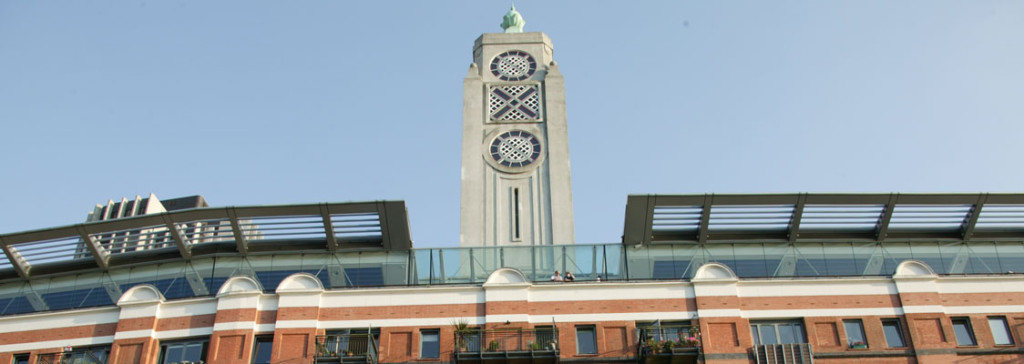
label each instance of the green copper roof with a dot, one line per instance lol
(513, 22)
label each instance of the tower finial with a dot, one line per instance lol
(513, 22)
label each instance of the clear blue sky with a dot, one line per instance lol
(284, 102)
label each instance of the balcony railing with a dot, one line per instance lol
(663, 344)
(525, 345)
(346, 348)
(74, 357)
(783, 353)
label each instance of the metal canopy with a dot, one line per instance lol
(380, 225)
(823, 217)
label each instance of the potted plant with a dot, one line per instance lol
(493, 346)
(666, 346)
(534, 345)
(688, 341)
(462, 333)
(348, 353)
(858, 345)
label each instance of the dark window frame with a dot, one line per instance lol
(269, 339)
(1005, 329)
(436, 333)
(755, 330)
(204, 349)
(593, 331)
(858, 326)
(969, 338)
(899, 332)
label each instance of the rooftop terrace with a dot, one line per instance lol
(190, 253)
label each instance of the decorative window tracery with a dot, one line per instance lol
(515, 102)
(516, 148)
(513, 66)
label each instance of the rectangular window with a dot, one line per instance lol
(964, 333)
(20, 359)
(515, 206)
(893, 333)
(778, 332)
(586, 340)
(1000, 330)
(855, 334)
(262, 350)
(183, 351)
(430, 344)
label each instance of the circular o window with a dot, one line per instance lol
(515, 148)
(513, 66)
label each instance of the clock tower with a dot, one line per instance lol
(516, 187)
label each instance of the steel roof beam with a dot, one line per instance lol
(241, 243)
(967, 228)
(794, 221)
(19, 262)
(332, 240)
(703, 234)
(882, 230)
(179, 238)
(99, 253)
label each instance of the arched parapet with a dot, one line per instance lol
(300, 282)
(506, 277)
(239, 285)
(914, 269)
(140, 294)
(714, 272)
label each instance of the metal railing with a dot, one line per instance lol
(508, 340)
(327, 226)
(74, 357)
(346, 348)
(783, 354)
(659, 340)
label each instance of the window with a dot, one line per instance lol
(515, 211)
(1000, 330)
(855, 334)
(20, 359)
(778, 332)
(586, 340)
(261, 352)
(964, 333)
(893, 333)
(191, 351)
(430, 343)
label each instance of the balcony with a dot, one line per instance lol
(668, 344)
(515, 346)
(346, 348)
(783, 353)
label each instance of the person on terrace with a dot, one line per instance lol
(557, 277)
(569, 277)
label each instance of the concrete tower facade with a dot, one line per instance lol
(516, 187)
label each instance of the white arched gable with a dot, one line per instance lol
(143, 293)
(506, 276)
(300, 282)
(914, 269)
(240, 284)
(714, 272)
